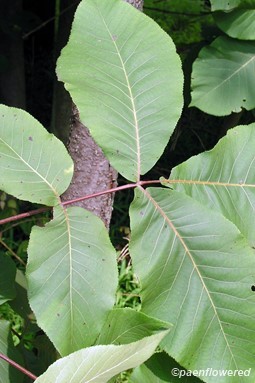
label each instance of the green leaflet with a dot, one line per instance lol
(196, 271)
(229, 88)
(34, 165)
(125, 77)
(72, 276)
(239, 23)
(224, 178)
(98, 364)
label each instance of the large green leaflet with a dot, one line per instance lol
(239, 23)
(196, 271)
(223, 78)
(34, 165)
(7, 278)
(72, 275)
(98, 364)
(224, 178)
(125, 77)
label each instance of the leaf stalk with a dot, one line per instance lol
(66, 203)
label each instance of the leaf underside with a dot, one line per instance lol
(222, 77)
(30, 169)
(98, 364)
(239, 23)
(196, 271)
(75, 272)
(224, 178)
(125, 77)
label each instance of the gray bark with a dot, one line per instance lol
(92, 171)
(136, 3)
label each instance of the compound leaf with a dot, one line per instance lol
(125, 77)
(196, 271)
(34, 165)
(72, 276)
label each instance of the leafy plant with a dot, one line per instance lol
(191, 248)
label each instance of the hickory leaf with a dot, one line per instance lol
(34, 164)
(240, 23)
(224, 178)
(125, 77)
(196, 271)
(222, 77)
(98, 364)
(66, 291)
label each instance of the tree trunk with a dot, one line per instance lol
(92, 171)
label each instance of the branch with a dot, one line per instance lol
(18, 366)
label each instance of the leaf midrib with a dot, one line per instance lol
(209, 183)
(138, 153)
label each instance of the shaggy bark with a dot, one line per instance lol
(92, 171)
